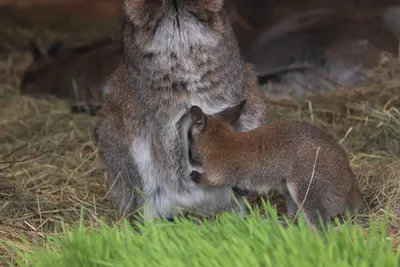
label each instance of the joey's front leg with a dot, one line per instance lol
(202, 178)
(205, 180)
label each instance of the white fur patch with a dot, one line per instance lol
(141, 154)
(177, 39)
(172, 36)
(167, 201)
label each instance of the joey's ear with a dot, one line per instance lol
(199, 119)
(232, 114)
(55, 50)
(37, 55)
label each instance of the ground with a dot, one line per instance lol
(49, 166)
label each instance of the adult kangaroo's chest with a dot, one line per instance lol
(187, 58)
(188, 73)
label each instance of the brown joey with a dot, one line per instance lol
(301, 161)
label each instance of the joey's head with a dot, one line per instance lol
(174, 21)
(32, 79)
(205, 130)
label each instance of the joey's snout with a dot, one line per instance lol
(195, 176)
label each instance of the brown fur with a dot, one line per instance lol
(282, 155)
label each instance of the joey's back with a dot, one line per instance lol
(303, 162)
(276, 150)
(267, 139)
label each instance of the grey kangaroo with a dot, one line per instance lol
(176, 54)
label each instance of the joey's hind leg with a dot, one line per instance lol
(315, 216)
(291, 204)
(315, 213)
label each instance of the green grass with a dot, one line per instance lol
(225, 241)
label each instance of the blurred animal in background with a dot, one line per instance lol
(391, 17)
(249, 18)
(78, 75)
(321, 49)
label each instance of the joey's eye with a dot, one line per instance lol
(198, 123)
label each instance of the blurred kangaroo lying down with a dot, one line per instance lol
(318, 49)
(322, 49)
(78, 75)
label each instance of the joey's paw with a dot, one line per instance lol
(195, 176)
(240, 192)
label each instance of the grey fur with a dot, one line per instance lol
(177, 54)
